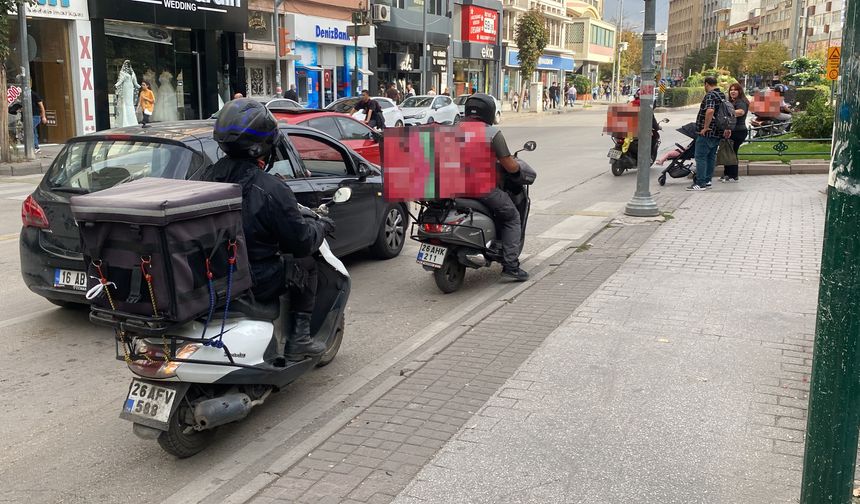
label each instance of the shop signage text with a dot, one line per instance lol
(322, 30)
(193, 5)
(331, 33)
(480, 25)
(487, 52)
(65, 9)
(227, 15)
(440, 59)
(545, 61)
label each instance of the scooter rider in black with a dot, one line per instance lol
(272, 222)
(482, 107)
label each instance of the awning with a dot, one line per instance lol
(364, 72)
(314, 68)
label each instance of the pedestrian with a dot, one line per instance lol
(238, 95)
(409, 91)
(608, 92)
(515, 98)
(146, 102)
(571, 95)
(372, 111)
(291, 93)
(447, 92)
(392, 93)
(526, 99)
(708, 139)
(594, 91)
(432, 91)
(545, 98)
(38, 117)
(739, 134)
(553, 95)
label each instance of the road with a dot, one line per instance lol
(60, 436)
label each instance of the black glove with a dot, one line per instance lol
(327, 225)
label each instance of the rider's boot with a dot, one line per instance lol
(300, 344)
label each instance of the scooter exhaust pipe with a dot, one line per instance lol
(477, 259)
(222, 410)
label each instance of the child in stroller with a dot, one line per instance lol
(682, 157)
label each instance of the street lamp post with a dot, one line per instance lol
(26, 92)
(643, 204)
(277, 29)
(616, 68)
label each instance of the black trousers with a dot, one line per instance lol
(738, 138)
(507, 218)
(302, 284)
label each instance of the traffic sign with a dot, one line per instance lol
(834, 55)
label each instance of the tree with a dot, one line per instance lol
(6, 6)
(631, 59)
(604, 72)
(733, 56)
(699, 59)
(767, 59)
(532, 39)
(804, 71)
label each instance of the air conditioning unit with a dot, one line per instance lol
(381, 13)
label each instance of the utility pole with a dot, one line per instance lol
(794, 35)
(277, 29)
(616, 68)
(643, 204)
(355, 55)
(26, 93)
(717, 57)
(834, 393)
(425, 60)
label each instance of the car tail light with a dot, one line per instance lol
(152, 363)
(32, 214)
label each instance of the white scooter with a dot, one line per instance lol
(207, 382)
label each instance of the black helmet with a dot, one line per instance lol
(780, 88)
(245, 129)
(482, 107)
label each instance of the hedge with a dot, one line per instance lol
(804, 95)
(683, 96)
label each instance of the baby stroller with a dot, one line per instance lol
(682, 157)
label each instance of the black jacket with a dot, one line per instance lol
(271, 220)
(292, 95)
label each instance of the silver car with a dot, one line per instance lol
(461, 105)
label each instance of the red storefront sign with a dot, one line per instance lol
(480, 25)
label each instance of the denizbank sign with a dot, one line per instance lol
(320, 30)
(226, 15)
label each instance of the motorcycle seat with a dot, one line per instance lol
(259, 310)
(473, 205)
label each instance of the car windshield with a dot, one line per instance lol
(343, 106)
(417, 102)
(461, 100)
(91, 166)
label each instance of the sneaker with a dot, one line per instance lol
(696, 187)
(38, 151)
(517, 274)
(708, 185)
(733, 180)
(724, 179)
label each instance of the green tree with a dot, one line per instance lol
(6, 6)
(532, 38)
(767, 58)
(804, 71)
(631, 59)
(733, 56)
(699, 59)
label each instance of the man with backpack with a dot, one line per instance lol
(716, 115)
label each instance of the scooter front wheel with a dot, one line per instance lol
(181, 439)
(449, 278)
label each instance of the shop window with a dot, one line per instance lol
(320, 158)
(353, 130)
(260, 26)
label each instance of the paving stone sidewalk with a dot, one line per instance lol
(381, 450)
(682, 379)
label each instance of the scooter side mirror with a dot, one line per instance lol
(530, 146)
(665, 121)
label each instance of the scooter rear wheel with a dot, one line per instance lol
(449, 278)
(180, 439)
(617, 168)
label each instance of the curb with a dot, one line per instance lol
(24, 168)
(795, 167)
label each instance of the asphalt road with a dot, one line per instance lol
(61, 388)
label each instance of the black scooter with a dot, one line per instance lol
(456, 234)
(624, 155)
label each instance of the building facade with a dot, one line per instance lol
(61, 66)
(589, 38)
(685, 32)
(824, 24)
(777, 17)
(187, 53)
(477, 51)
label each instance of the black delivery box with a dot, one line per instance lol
(164, 247)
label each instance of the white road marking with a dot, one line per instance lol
(603, 209)
(574, 227)
(543, 204)
(19, 197)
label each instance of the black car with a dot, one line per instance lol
(312, 163)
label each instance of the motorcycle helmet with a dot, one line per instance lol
(481, 107)
(780, 88)
(245, 129)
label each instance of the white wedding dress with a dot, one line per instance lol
(126, 85)
(166, 107)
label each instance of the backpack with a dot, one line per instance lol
(724, 115)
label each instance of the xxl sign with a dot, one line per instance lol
(227, 15)
(480, 25)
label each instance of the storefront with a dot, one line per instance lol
(550, 68)
(477, 53)
(60, 60)
(324, 59)
(186, 50)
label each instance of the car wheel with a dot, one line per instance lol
(398, 124)
(456, 119)
(392, 233)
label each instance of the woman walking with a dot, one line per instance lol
(147, 102)
(739, 134)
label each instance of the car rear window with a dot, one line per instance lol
(91, 166)
(343, 106)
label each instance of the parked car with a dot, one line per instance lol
(283, 103)
(390, 111)
(461, 106)
(424, 109)
(312, 163)
(355, 134)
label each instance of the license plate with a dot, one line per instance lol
(431, 255)
(614, 154)
(149, 401)
(70, 279)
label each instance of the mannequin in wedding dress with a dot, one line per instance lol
(126, 86)
(166, 105)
